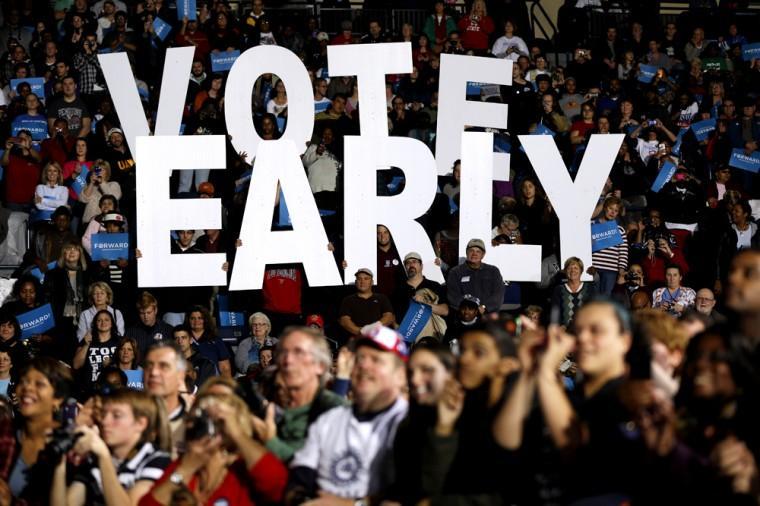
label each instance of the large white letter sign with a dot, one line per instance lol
(574, 201)
(126, 100)
(370, 63)
(238, 112)
(517, 262)
(455, 111)
(306, 243)
(157, 214)
(364, 210)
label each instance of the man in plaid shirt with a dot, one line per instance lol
(87, 64)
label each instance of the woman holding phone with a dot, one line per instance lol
(98, 184)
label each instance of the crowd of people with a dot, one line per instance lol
(635, 379)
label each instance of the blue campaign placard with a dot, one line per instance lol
(750, 51)
(703, 128)
(110, 246)
(542, 129)
(676, 149)
(222, 62)
(284, 214)
(321, 106)
(37, 126)
(186, 8)
(605, 235)
(134, 379)
(417, 316)
(740, 160)
(646, 73)
(36, 83)
(37, 273)
(228, 318)
(36, 321)
(161, 28)
(80, 181)
(666, 173)
(474, 88)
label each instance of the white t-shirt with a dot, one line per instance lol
(352, 458)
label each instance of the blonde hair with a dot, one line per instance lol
(482, 4)
(56, 166)
(103, 286)
(66, 247)
(573, 260)
(663, 328)
(103, 164)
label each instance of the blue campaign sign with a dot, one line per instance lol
(703, 128)
(605, 235)
(474, 88)
(40, 215)
(110, 246)
(80, 181)
(414, 321)
(134, 379)
(222, 62)
(676, 149)
(646, 73)
(542, 129)
(37, 273)
(36, 321)
(36, 83)
(37, 126)
(321, 106)
(750, 51)
(228, 318)
(186, 8)
(666, 173)
(284, 214)
(161, 28)
(740, 160)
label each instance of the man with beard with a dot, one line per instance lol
(347, 457)
(415, 281)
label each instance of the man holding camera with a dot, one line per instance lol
(87, 64)
(22, 165)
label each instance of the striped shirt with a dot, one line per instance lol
(613, 258)
(147, 464)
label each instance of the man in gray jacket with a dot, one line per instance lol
(479, 279)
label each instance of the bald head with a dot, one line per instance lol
(705, 301)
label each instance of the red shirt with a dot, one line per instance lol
(654, 268)
(53, 150)
(341, 39)
(21, 178)
(282, 290)
(265, 481)
(475, 33)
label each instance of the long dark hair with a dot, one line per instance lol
(94, 325)
(209, 325)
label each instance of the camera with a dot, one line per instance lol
(651, 122)
(199, 425)
(631, 277)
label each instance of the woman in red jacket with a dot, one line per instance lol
(222, 464)
(476, 28)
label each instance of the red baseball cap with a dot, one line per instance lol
(383, 338)
(315, 319)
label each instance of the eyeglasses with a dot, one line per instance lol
(703, 299)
